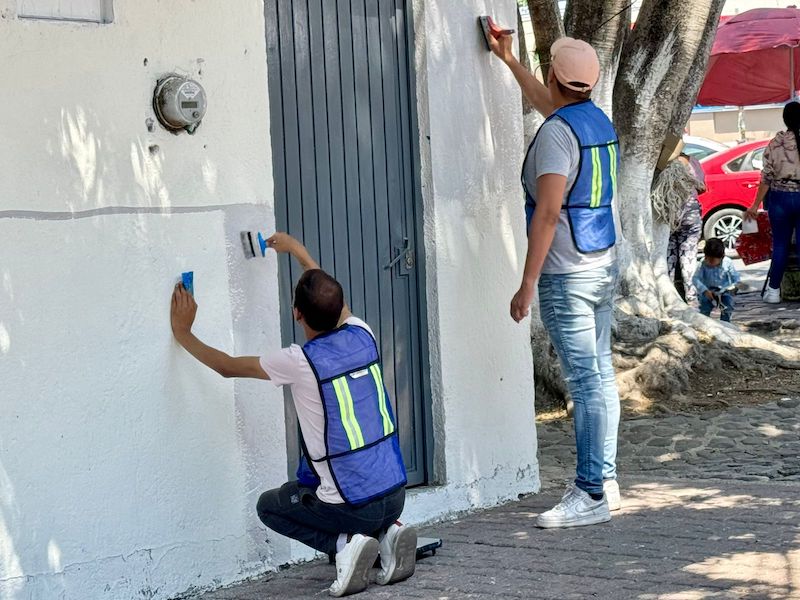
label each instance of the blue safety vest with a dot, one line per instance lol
(589, 201)
(362, 449)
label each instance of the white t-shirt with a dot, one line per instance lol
(555, 151)
(289, 366)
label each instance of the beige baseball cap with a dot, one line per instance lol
(575, 64)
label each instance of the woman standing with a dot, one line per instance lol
(780, 178)
(682, 249)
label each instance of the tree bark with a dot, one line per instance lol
(605, 25)
(547, 28)
(524, 58)
(656, 68)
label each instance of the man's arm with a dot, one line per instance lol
(285, 243)
(184, 309)
(549, 198)
(536, 93)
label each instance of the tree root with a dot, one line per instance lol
(655, 358)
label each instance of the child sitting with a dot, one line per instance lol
(715, 280)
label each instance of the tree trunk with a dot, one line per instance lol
(605, 25)
(525, 59)
(655, 71)
(658, 66)
(547, 28)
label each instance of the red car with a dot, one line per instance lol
(732, 178)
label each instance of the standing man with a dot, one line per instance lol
(570, 179)
(350, 487)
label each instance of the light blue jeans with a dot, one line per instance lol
(577, 311)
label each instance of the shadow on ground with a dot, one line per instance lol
(672, 541)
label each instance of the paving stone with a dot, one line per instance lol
(721, 442)
(684, 532)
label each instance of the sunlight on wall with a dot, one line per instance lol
(54, 556)
(210, 175)
(79, 144)
(148, 172)
(5, 339)
(10, 566)
(7, 287)
(508, 238)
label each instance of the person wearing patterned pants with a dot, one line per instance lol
(682, 250)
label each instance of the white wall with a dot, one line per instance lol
(482, 374)
(127, 469)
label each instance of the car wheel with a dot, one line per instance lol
(725, 224)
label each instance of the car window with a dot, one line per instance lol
(757, 160)
(698, 152)
(736, 164)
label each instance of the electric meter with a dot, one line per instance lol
(180, 103)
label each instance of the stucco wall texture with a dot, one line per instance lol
(129, 470)
(472, 149)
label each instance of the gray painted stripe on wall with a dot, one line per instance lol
(43, 215)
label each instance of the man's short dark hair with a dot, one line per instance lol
(571, 94)
(714, 248)
(320, 300)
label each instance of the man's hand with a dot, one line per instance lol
(183, 311)
(751, 213)
(503, 47)
(521, 302)
(283, 242)
(709, 294)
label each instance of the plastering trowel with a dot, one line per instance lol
(251, 244)
(490, 28)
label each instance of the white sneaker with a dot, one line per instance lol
(398, 549)
(575, 509)
(353, 565)
(611, 491)
(772, 295)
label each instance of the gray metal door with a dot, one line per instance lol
(343, 140)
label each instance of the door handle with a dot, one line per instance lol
(403, 253)
(750, 186)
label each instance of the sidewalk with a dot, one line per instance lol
(711, 509)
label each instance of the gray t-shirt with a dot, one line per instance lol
(556, 151)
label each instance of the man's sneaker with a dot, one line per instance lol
(353, 565)
(611, 491)
(398, 549)
(575, 509)
(772, 296)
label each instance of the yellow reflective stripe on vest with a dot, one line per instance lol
(348, 413)
(597, 179)
(388, 426)
(612, 155)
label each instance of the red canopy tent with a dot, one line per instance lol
(755, 59)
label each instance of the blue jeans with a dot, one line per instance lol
(577, 311)
(725, 308)
(784, 218)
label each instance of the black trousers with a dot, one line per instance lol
(296, 512)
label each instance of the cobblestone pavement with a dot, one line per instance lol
(711, 510)
(754, 443)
